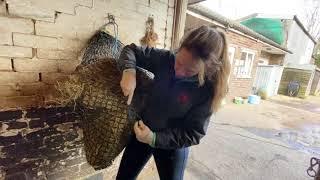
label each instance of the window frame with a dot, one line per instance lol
(248, 68)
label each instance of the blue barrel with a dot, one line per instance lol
(254, 99)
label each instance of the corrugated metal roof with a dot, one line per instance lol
(232, 24)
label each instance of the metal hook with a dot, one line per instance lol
(111, 18)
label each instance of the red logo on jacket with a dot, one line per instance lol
(183, 98)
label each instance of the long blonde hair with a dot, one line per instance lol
(210, 46)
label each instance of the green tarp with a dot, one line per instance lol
(270, 28)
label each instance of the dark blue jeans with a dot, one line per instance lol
(170, 163)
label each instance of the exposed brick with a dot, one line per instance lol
(56, 119)
(3, 10)
(17, 176)
(30, 9)
(55, 29)
(160, 6)
(20, 89)
(6, 37)
(87, 3)
(171, 12)
(18, 77)
(5, 64)
(36, 123)
(35, 65)
(58, 110)
(9, 25)
(53, 141)
(56, 54)
(10, 115)
(8, 90)
(71, 136)
(70, 44)
(25, 167)
(24, 149)
(7, 140)
(144, 2)
(163, 1)
(19, 102)
(36, 113)
(40, 134)
(7, 161)
(50, 96)
(71, 27)
(13, 51)
(34, 41)
(56, 156)
(171, 3)
(31, 89)
(16, 125)
(52, 78)
(68, 66)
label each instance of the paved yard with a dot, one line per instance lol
(268, 141)
(312, 103)
(274, 140)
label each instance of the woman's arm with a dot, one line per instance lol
(144, 57)
(195, 128)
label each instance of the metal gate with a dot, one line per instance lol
(268, 77)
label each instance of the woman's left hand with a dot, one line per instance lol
(143, 132)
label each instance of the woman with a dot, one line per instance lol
(188, 87)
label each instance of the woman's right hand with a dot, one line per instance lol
(128, 83)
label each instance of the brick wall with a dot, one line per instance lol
(302, 76)
(265, 55)
(46, 143)
(276, 59)
(242, 86)
(40, 40)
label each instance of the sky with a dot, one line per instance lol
(236, 9)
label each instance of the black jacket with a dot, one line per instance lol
(177, 110)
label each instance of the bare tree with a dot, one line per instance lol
(313, 20)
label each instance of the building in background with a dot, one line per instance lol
(247, 49)
(288, 32)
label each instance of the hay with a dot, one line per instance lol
(69, 91)
(95, 94)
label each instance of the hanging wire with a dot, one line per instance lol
(113, 23)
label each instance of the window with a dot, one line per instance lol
(231, 51)
(243, 66)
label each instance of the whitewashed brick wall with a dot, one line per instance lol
(40, 40)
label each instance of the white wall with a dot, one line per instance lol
(300, 44)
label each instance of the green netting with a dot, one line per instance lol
(270, 28)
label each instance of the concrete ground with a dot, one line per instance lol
(274, 140)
